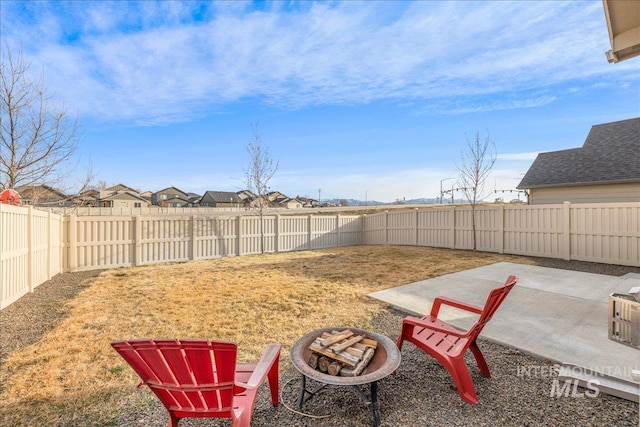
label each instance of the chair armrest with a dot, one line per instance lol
(270, 355)
(429, 324)
(435, 308)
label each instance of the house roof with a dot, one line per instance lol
(39, 191)
(290, 200)
(172, 190)
(623, 23)
(222, 196)
(124, 195)
(610, 155)
(246, 194)
(119, 187)
(177, 197)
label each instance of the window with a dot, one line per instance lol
(137, 205)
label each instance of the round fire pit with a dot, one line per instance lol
(385, 361)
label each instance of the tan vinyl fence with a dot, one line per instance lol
(37, 245)
(606, 232)
(30, 250)
(95, 242)
(147, 210)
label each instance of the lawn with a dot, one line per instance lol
(72, 374)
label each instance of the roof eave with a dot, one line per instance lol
(578, 184)
(624, 39)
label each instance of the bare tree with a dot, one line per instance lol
(37, 137)
(258, 174)
(477, 160)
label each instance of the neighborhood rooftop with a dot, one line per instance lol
(610, 154)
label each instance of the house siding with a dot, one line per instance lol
(604, 193)
(119, 203)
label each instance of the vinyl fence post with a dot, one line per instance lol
(239, 235)
(193, 237)
(452, 227)
(309, 231)
(73, 244)
(500, 220)
(276, 226)
(386, 227)
(49, 246)
(61, 221)
(137, 241)
(338, 239)
(566, 230)
(30, 234)
(416, 231)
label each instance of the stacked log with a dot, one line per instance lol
(342, 353)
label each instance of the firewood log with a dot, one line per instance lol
(337, 348)
(342, 357)
(334, 368)
(323, 364)
(313, 361)
(335, 338)
(370, 343)
(368, 355)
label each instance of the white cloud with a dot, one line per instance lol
(150, 62)
(475, 106)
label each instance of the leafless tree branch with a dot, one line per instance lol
(476, 162)
(261, 169)
(37, 136)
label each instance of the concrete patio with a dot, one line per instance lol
(557, 315)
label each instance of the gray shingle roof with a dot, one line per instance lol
(223, 197)
(610, 154)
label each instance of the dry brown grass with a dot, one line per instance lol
(72, 376)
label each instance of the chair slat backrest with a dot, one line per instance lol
(493, 301)
(192, 375)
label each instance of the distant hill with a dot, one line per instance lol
(352, 202)
(422, 201)
(355, 202)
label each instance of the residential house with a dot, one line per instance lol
(43, 195)
(121, 196)
(289, 203)
(171, 197)
(246, 194)
(276, 197)
(105, 192)
(87, 198)
(605, 169)
(194, 199)
(220, 199)
(146, 195)
(246, 197)
(251, 200)
(307, 202)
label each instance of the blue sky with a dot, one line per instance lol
(360, 99)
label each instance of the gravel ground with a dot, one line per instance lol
(420, 394)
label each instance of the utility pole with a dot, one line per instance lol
(453, 188)
(441, 193)
(319, 190)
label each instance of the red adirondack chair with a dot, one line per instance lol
(199, 378)
(448, 344)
